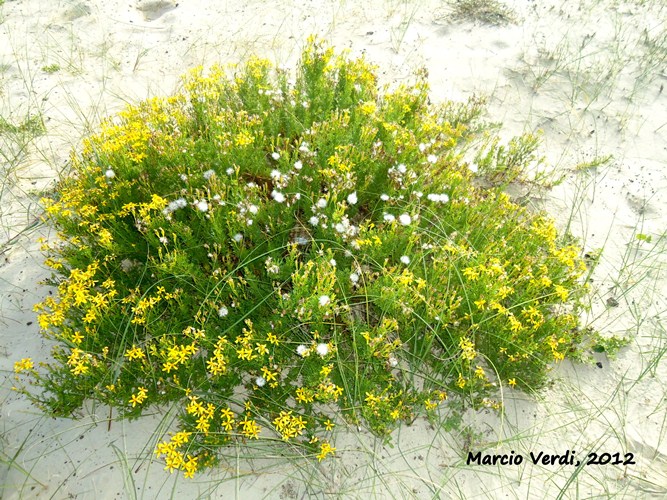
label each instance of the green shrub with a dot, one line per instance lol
(276, 256)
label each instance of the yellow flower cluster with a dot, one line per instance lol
(217, 363)
(554, 343)
(494, 268)
(135, 353)
(561, 292)
(130, 137)
(76, 291)
(142, 211)
(534, 317)
(385, 402)
(461, 381)
(204, 413)
(325, 449)
(480, 373)
(174, 458)
(304, 395)
(139, 397)
(249, 428)
(380, 344)
(147, 303)
(24, 365)
(468, 351)
(178, 355)
(288, 425)
(246, 350)
(328, 391)
(79, 361)
(227, 421)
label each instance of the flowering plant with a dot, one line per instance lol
(278, 256)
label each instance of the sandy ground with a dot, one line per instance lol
(589, 74)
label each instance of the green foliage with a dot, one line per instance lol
(485, 11)
(51, 68)
(277, 256)
(32, 126)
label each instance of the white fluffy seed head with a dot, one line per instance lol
(278, 196)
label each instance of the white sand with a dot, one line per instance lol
(581, 71)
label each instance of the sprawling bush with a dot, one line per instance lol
(276, 256)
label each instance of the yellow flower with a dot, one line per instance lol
(328, 424)
(504, 291)
(105, 237)
(471, 273)
(190, 467)
(180, 438)
(368, 108)
(80, 368)
(245, 353)
(461, 382)
(174, 460)
(288, 425)
(243, 138)
(216, 365)
(249, 428)
(511, 382)
(561, 292)
(467, 349)
(23, 365)
(545, 281)
(480, 304)
(515, 324)
(134, 353)
(227, 419)
(304, 395)
(325, 449)
(272, 339)
(91, 315)
(138, 398)
(203, 424)
(479, 373)
(268, 374)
